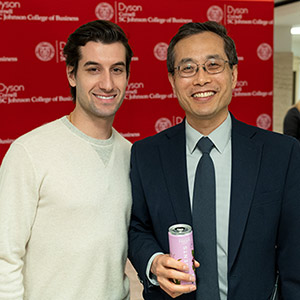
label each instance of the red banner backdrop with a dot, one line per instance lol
(33, 85)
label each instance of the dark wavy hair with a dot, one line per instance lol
(189, 29)
(96, 31)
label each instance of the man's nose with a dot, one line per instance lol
(201, 77)
(106, 81)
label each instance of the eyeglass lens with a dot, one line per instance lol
(212, 66)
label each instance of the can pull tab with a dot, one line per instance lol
(180, 229)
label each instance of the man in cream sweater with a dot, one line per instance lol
(65, 195)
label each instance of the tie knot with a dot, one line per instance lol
(205, 145)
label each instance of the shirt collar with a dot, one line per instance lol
(220, 136)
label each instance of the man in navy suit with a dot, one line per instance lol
(257, 184)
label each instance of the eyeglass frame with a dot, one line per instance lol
(203, 67)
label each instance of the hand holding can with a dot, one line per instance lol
(182, 247)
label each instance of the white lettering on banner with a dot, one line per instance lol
(7, 14)
(9, 94)
(152, 96)
(236, 15)
(14, 18)
(130, 18)
(37, 18)
(175, 20)
(156, 20)
(60, 46)
(134, 20)
(239, 93)
(8, 59)
(6, 141)
(135, 85)
(7, 8)
(4, 98)
(38, 99)
(51, 18)
(129, 14)
(64, 99)
(129, 8)
(65, 18)
(177, 120)
(130, 134)
(18, 100)
(237, 11)
(5, 90)
(158, 96)
(9, 5)
(132, 96)
(250, 22)
(8, 11)
(133, 88)
(262, 22)
(242, 83)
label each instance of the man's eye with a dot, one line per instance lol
(213, 65)
(187, 68)
(93, 70)
(118, 70)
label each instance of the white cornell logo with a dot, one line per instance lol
(160, 51)
(215, 13)
(263, 121)
(104, 11)
(162, 124)
(264, 51)
(44, 51)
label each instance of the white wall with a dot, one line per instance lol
(282, 39)
(286, 60)
(283, 92)
(296, 46)
(297, 70)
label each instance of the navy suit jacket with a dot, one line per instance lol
(264, 221)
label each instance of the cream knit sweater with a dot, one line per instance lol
(65, 204)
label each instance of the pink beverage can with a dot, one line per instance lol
(182, 247)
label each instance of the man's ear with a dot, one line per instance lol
(234, 76)
(71, 76)
(171, 80)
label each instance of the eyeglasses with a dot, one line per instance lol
(211, 66)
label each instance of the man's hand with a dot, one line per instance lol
(168, 271)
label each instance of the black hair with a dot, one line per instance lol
(189, 29)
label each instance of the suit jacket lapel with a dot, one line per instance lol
(245, 167)
(173, 155)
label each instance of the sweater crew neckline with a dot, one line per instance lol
(80, 134)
